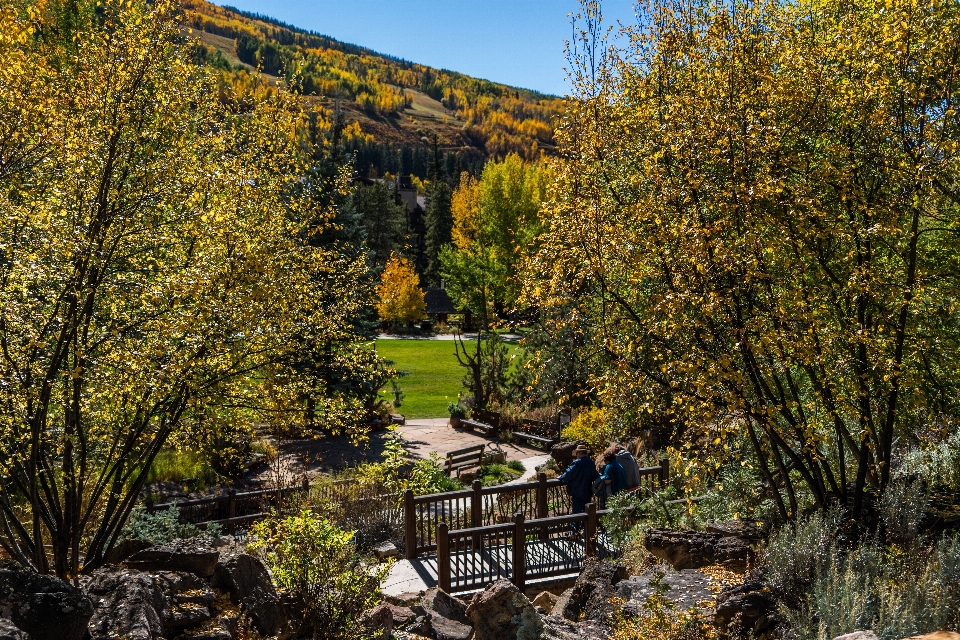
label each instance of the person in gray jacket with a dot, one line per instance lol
(630, 467)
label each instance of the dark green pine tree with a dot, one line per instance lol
(438, 219)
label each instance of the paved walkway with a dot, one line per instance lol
(425, 435)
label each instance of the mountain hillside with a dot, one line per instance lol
(393, 108)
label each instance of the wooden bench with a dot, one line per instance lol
(486, 421)
(464, 458)
(545, 433)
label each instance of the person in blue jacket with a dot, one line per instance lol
(613, 473)
(579, 478)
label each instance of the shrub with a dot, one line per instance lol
(797, 553)
(496, 473)
(516, 465)
(939, 464)
(162, 527)
(593, 427)
(457, 410)
(316, 561)
(179, 465)
(901, 509)
(897, 594)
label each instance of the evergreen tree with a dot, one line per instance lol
(384, 221)
(439, 221)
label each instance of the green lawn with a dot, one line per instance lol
(435, 378)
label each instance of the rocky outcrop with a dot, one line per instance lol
(246, 581)
(589, 599)
(9, 631)
(692, 549)
(686, 588)
(124, 549)
(747, 608)
(128, 604)
(194, 555)
(546, 601)
(43, 607)
(858, 635)
(501, 611)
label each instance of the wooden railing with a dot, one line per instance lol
(471, 559)
(230, 510)
(488, 506)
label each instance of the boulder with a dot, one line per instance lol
(692, 549)
(747, 529)
(562, 452)
(43, 607)
(440, 603)
(448, 615)
(545, 600)
(685, 589)
(378, 621)
(193, 555)
(386, 550)
(749, 608)
(128, 604)
(246, 581)
(470, 474)
(446, 629)
(9, 631)
(124, 549)
(858, 635)
(936, 635)
(404, 599)
(501, 611)
(591, 594)
(558, 628)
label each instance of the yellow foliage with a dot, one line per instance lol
(400, 298)
(465, 207)
(593, 427)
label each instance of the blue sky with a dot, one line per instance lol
(517, 42)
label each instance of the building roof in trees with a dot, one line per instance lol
(438, 301)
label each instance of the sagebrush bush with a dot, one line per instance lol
(798, 552)
(902, 507)
(162, 527)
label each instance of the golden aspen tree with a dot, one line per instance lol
(399, 296)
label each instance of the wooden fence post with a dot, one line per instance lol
(306, 484)
(543, 509)
(476, 513)
(664, 471)
(443, 557)
(519, 551)
(149, 504)
(590, 535)
(232, 503)
(409, 525)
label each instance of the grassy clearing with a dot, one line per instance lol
(435, 378)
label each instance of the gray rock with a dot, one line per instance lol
(748, 607)
(443, 604)
(501, 611)
(858, 635)
(446, 629)
(559, 628)
(562, 452)
(9, 631)
(591, 594)
(692, 549)
(129, 604)
(216, 633)
(405, 599)
(44, 607)
(247, 582)
(546, 600)
(124, 549)
(378, 621)
(685, 588)
(386, 550)
(193, 555)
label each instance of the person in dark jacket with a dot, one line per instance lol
(630, 467)
(612, 473)
(579, 478)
